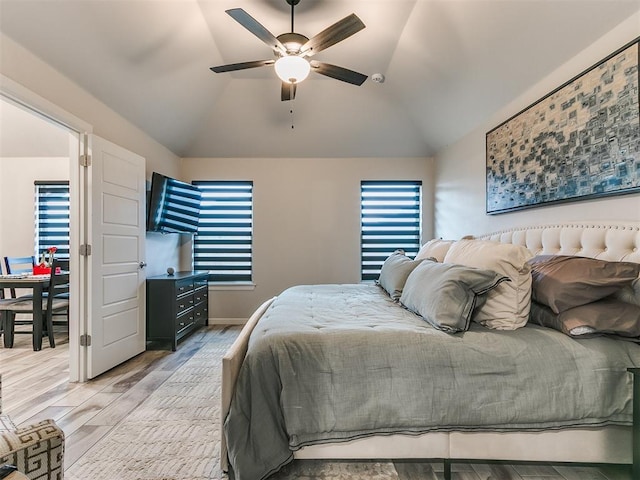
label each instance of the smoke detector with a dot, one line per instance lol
(377, 78)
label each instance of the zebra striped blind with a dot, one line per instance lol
(223, 243)
(52, 217)
(390, 219)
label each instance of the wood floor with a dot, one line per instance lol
(35, 386)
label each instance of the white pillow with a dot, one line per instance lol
(435, 248)
(507, 306)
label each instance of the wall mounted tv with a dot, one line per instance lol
(173, 206)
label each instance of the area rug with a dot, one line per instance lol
(175, 433)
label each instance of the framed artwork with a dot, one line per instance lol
(581, 141)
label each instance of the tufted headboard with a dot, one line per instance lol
(613, 241)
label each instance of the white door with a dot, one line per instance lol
(116, 277)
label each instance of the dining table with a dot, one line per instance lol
(37, 284)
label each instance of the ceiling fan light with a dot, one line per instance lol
(292, 69)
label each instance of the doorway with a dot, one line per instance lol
(107, 212)
(35, 147)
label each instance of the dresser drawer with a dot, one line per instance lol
(184, 287)
(200, 282)
(200, 314)
(200, 295)
(183, 304)
(184, 322)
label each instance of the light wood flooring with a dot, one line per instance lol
(36, 386)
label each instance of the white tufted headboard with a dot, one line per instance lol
(611, 241)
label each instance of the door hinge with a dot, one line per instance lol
(85, 160)
(85, 250)
(85, 340)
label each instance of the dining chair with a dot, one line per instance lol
(64, 266)
(17, 265)
(63, 263)
(57, 300)
(2, 294)
(4, 301)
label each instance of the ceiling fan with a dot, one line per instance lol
(294, 49)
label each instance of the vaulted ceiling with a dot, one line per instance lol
(449, 64)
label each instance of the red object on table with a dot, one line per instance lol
(42, 270)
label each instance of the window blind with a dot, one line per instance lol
(223, 243)
(390, 219)
(52, 217)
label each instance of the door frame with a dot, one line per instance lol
(21, 96)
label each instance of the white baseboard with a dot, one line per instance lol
(227, 321)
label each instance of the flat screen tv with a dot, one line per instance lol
(173, 206)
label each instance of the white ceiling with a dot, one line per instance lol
(449, 64)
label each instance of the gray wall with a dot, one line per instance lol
(460, 168)
(306, 219)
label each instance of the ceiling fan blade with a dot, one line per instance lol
(339, 73)
(332, 35)
(255, 27)
(288, 91)
(242, 66)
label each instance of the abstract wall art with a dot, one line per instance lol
(579, 142)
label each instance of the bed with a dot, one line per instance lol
(342, 372)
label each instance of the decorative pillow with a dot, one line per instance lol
(606, 316)
(446, 295)
(395, 270)
(630, 293)
(507, 306)
(562, 282)
(435, 248)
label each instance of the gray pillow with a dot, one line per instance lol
(394, 273)
(606, 316)
(562, 282)
(446, 294)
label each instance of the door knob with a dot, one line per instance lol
(142, 264)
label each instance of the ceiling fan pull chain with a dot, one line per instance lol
(291, 112)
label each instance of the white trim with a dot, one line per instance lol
(77, 361)
(227, 321)
(231, 286)
(21, 95)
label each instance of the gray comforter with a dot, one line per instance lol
(336, 362)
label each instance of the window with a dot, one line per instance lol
(390, 219)
(52, 217)
(223, 242)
